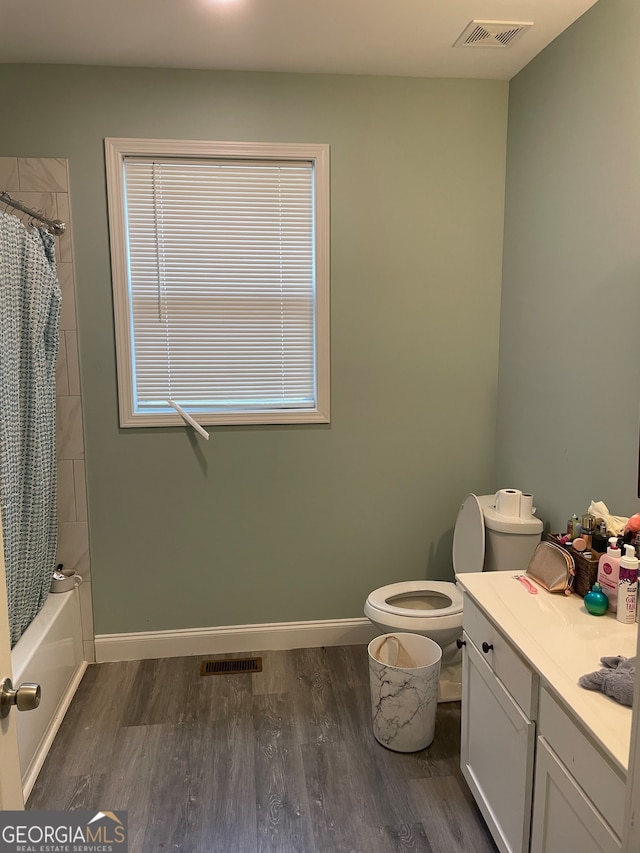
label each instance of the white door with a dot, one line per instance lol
(10, 779)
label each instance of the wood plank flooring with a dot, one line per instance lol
(281, 761)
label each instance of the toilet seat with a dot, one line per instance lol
(471, 552)
(379, 599)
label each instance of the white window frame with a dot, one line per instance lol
(116, 150)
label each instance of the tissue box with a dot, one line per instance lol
(586, 567)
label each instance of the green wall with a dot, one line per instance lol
(569, 389)
(273, 524)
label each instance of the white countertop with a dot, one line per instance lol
(562, 641)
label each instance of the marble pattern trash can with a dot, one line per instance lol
(404, 700)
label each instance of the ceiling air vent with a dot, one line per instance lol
(491, 33)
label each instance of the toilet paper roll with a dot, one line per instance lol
(526, 506)
(508, 502)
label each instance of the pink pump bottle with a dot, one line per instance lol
(609, 573)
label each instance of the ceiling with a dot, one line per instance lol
(408, 38)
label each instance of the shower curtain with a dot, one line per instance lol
(29, 320)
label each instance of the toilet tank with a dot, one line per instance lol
(509, 541)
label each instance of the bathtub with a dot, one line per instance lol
(50, 652)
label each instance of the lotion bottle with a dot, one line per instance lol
(609, 573)
(627, 586)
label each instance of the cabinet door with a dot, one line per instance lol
(563, 818)
(496, 753)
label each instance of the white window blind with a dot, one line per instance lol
(222, 297)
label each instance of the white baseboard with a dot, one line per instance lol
(233, 638)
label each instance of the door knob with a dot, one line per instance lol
(460, 643)
(486, 647)
(25, 698)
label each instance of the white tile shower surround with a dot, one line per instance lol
(42, 183)
(68, 308)
(40, 174)
(66, 490)
(69, 438)
(9, 180)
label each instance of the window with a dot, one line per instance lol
(220, 266)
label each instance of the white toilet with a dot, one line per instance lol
(483, 540)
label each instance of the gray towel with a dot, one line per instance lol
(616, 679)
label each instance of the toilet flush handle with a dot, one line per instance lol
(486, 647)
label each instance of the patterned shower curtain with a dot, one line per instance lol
(29, 319)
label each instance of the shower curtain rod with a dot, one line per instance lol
(54, 226)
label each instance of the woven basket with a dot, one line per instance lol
(586, 569)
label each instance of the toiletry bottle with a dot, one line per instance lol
(588, 524)
(595, 601)
(599, 538)
(627, 586)
(609, 572)
(576, 528)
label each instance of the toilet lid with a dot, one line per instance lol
(468, 537)
(383, 598)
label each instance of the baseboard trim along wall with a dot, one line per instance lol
(233, 638)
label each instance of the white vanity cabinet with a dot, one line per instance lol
(580, 808)
(545, 759)
(499, 694)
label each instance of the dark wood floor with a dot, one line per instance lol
(282, 760)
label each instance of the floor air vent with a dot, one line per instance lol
(230, 667)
